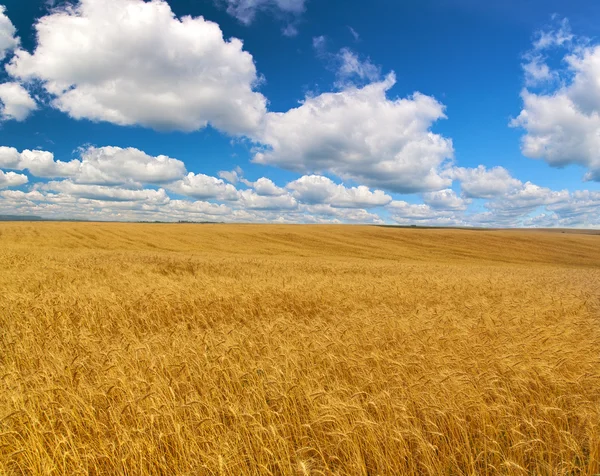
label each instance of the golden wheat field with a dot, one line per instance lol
(297, 350)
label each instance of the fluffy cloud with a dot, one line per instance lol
(265, 187)
(11, 179)
(103, 60)
(404, 213)
(360, 134)
(39, 163)
(563, 125)
(114, 165)
(253, 201)
(8, 34)
(106, 193)
(231, 176)
(482, 182)
(15, 102)
(530, 205)
(108, 203)
(445, 200)
(526, 199)
(316, 189)
(559, 132)
(323, 213)
(204, 187)
(581, 209)
(245, 10)
(103, 165)
(184, 208)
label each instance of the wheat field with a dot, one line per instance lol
(297, 350)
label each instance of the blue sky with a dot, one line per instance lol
(436, 112)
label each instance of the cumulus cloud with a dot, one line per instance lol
(316, 189)
(231, 176)
(245, 10)
(404, 212)
(12, 179)
(89, 202)
(394, 149)
(15, 102)
(563, 125)
(106, 193)
(265, 187)
(39, 163)
(445, 200)
(102, 165)
(185, 208)
(8, 34)
(103, 60)
(114, 165)
(253, 201)
(204, 187)
(530, 205)
(481, 182)
(526, 199)
(324, 213)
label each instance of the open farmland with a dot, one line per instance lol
(241, 349)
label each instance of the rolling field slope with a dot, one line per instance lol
(245, 349)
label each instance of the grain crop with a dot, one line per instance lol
(297, 350)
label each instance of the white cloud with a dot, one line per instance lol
(445, 200)
(526, 199)
(186, 208)
(114, 165)
(102, 165)
(11, 179)
(15, 102)
(131, 62)
(266, 187)
(108, 203)
(106, 193)
(559, 35)
(316, 189)
(563, 125)
(231, 176)
(253, 201)
(481, 182)
(530, 205)
(324, 213)
(360, 134)
(204, 187)
(559, 132)
(404, 212)
(537, 71)
(245, 10)
(39, 163)
(10, 158)
(350, 66)
(8, 34)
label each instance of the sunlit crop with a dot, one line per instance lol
(231, 350)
